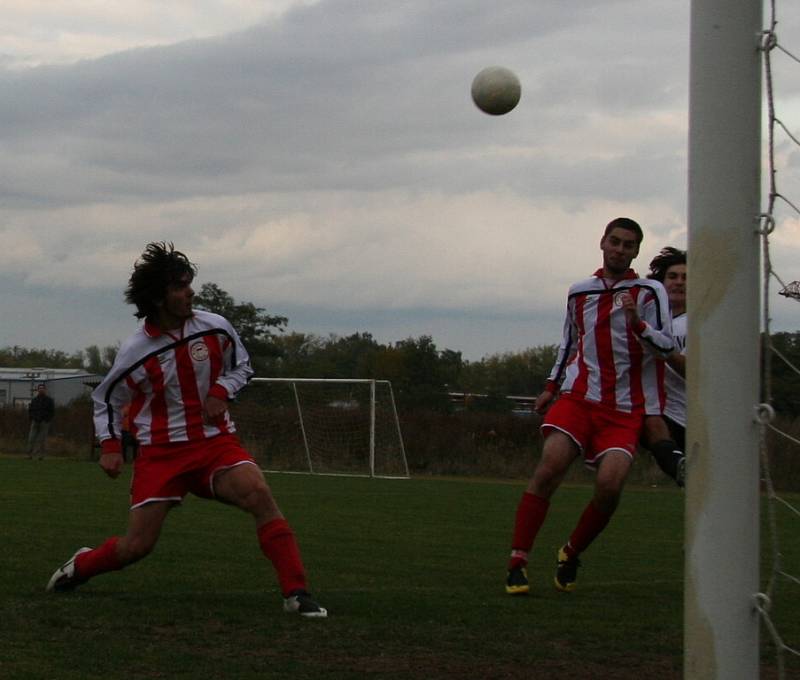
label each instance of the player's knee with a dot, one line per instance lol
(545, 480)
(257, 500)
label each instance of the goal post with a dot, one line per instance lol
(721, 632)
(322, 426)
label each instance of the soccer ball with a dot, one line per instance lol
(496, 90)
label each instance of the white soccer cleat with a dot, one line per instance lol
(64, 577)
(300, 602)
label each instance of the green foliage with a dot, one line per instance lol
(418, 371)
(22, 357)
(71, 433)
(515, 373)
(93, 359)
(785, 379)
(99, 361)
(421, 374)
(304, 355)
(253, 324)
(420, 383)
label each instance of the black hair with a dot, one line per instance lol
(159, 266)
(625, 223)
(668, 257)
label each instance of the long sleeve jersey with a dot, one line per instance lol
(166, 378)
(674, 382)
(602, 358)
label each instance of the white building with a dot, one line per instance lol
(18, 385)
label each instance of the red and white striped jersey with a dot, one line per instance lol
(602, 358)
(166, 378)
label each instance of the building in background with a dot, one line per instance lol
(18, 385)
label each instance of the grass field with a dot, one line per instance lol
(411, 572)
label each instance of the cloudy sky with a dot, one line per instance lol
(323, 159)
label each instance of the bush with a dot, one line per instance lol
(784, 455)
(71, 432)
(464, 443)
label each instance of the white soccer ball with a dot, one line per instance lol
(496, 90)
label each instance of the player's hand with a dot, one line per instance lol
(629, 307)
(111, 464)
(542, 402)
(214, 408)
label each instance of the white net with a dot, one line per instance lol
(346, 427)
(775, 602)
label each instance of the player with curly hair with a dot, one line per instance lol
(178, 372)
(665, 435)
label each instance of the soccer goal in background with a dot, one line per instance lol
(322, 426)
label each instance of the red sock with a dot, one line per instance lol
(592, 522)
(531, 511)
(99, 560)
(278, 544)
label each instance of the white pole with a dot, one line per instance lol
(372, 428)
(722, 498)
(302, 427)
(397, 427)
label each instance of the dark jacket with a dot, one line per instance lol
(41, 409)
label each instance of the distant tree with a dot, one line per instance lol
(421, 383)
(22, 357)
(510, 373)
(99, 360)
(295, 354)
(253, 324)
(352, 356)
(451, 365)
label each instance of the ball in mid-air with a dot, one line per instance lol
(496, 90)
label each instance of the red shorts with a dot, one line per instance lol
(595, 429)
(168, 473)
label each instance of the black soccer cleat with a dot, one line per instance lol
(517, 581)
(300, 602)
(566, 571)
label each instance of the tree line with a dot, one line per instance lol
(422, 375)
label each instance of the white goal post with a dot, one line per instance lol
(721, 631)
(322, 426)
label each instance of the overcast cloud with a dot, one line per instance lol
(324, 159)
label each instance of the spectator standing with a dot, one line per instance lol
(40, 413)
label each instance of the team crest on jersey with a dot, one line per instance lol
(618, 298)
(199, 351)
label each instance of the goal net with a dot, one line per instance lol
(322, 426)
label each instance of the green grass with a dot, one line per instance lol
(411, 572)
